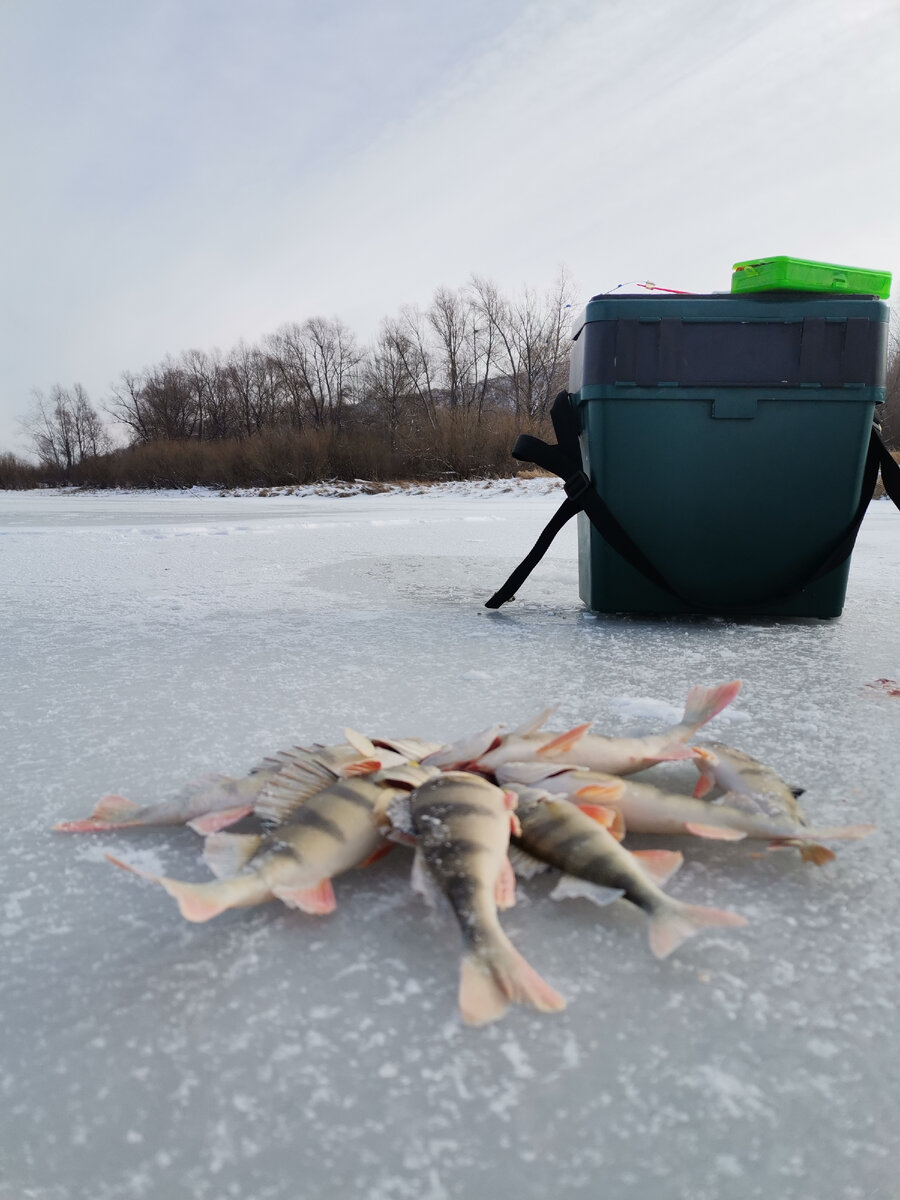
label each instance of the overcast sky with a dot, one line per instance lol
(184, 173)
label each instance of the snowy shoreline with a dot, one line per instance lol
(531, 486)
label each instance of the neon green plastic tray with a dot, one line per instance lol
(804, 275)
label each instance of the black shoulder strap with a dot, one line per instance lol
(564, 459)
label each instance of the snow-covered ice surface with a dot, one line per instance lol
(269, 1055)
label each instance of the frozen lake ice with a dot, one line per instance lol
(270, 1055)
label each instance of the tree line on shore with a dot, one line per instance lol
(441, 393)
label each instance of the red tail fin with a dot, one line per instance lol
(495, 975)
(481, 998)
(197, 901)
(110, 812)
(487, 984)
(703, 703)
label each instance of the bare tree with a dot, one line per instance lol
(254, 386)
(317, 366)
(65, 429)
(335, 360)
(206, 381)
(530, 344)
(408, 340)
(387, 385)
(463, 350)
(91, 435)
(126, 405)
(289, 355)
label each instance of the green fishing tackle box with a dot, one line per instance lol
(728, 435)
(805, 275)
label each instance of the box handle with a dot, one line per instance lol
(734, 408)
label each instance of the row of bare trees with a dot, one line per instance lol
(472, 351)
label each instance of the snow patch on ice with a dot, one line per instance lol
(136, 856)
(728, 1093)
(644, 708)
(518, 1059)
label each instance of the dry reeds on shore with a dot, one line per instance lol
(454, 448)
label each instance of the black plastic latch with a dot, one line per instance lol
(576, 485)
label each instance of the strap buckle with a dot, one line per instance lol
(576, 485)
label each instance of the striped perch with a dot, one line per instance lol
(558, 834)
(334, 830)
(216, 801)
(462, 825)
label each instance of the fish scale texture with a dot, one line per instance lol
(272, 1055)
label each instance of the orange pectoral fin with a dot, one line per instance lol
(610, 818)
(600, 793)
(317, 900)
(704, 783)
(565, 741)
(660, 865)
(714, 832)
(367, 767)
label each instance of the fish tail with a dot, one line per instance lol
(202, 901)
(110, 812)
(673, 925)
(703, 703)
(481, 998)
(469, 749)
(492, 979)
